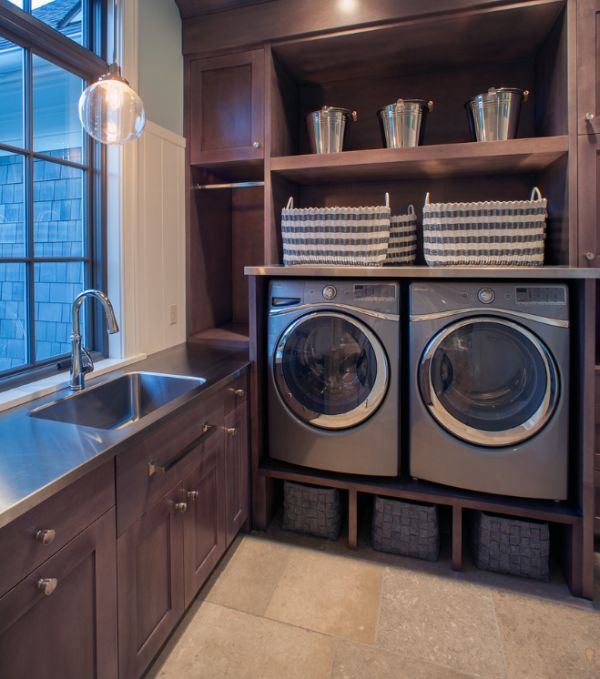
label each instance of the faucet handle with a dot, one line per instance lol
(87, 362)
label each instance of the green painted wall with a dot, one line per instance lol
(161, 63)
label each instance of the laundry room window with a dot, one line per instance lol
(51, 184)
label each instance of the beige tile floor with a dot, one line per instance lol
(284, 606)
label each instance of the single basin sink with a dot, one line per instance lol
(119, 402)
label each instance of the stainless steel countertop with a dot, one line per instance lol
(40, 457)
(416, 272)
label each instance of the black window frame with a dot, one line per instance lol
(88, 63)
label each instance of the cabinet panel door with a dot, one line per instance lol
(588, 200)
(205, 536)
(68, 630)
(150, 567)
(226, 108)
(236, 468)
(588, 66)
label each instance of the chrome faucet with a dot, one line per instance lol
(78, 369)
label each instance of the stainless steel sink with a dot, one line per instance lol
(118, 402)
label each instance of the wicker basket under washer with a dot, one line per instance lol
(355, 236)
(493, 233)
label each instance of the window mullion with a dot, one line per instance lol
(29, 245)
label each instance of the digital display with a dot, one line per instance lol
(543, 295)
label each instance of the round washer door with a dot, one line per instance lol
(489, 381)
(330, 370)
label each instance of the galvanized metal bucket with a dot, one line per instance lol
(494, 116)
(403, 122)
(327, 128)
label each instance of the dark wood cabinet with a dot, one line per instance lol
(588, 63)
(151, 592)
(236, 467)
(204, 524)
(226, 108)
(589, 199)
(60, 621)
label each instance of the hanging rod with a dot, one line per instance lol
(229, 185)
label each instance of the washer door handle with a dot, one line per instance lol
(425, 380)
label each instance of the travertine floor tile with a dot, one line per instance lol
(328, 593)
(249, 579)
(222, 643)
(356, 661)
(440, 620)
(544, 640)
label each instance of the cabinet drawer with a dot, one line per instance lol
(156, 461)
(23, 543)
(236, 393)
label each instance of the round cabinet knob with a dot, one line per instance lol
(193, 495)
(590, 256)
(45, 536)
(47, 585)
(230, 431)
(181, 507)
(329, 292)
(240, 393)
(486, 295)
(589, 116)
(256, 144)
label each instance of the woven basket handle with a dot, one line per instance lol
(427, 199)
(536, 194)
(290, 203)
(387, 199)
(411, 209)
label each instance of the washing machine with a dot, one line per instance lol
(333, 375)
(489, 386)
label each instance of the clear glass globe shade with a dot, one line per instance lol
(111, 112)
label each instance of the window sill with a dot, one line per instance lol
(29, 392)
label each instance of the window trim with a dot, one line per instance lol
(28, 32)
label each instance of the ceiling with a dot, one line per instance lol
(192, 8)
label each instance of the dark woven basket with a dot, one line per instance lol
(312, 509)
(514, 546)
(406, 528)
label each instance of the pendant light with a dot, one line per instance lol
(109, 110)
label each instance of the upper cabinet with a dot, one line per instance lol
(588, 63)
(226, 108)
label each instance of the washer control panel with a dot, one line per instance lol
(486, 295)
(329, 292)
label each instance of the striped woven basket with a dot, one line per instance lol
(499, 233)
(355, 236)
(402, 250)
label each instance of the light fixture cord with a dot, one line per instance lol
(115, 30)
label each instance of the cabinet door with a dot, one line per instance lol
(236, 469)
(60, 621)
(205, 536)
(226, 108)
(150, 583)
(588, 63)
(589, 200)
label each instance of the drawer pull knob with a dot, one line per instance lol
(256, 144)
(590, 256)
(47, 585)
(181, 507)
(45, 536)
(230, 431)
(589, 116)
(193, 495)
(240, 393)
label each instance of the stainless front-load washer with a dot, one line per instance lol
(333, 382)
(489, 386)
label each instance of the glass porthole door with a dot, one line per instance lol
(330, 370)
(489, 381)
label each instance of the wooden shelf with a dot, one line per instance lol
(422, 491)
(228, 171)
(229, 332)
(425, 162)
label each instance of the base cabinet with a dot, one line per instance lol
(60, 621)
(236, 466)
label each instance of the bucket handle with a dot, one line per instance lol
(290, 203)
(525, 95)
(536, 194)
(430, 105)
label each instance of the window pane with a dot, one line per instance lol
(18, 3)
(12, 205)
(57, 210)
(56, 127)
(62, 15)
(13, 328)
(56, 286)
(11, 93)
